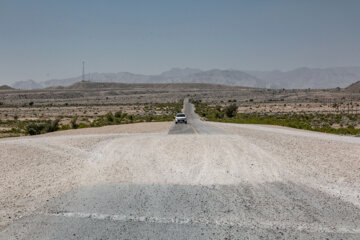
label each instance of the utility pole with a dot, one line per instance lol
(83, 72)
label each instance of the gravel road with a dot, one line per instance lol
(165, 181)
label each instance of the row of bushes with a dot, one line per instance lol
(34, 127)
(119, 118)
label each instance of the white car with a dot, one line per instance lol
(180, 117)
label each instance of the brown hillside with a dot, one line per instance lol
(6, 87)
(355, 87)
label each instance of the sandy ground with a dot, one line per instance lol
(324, 161)
(35, 170)
(39, 168)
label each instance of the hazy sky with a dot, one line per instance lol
(48, 39)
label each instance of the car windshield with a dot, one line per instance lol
(180, 115)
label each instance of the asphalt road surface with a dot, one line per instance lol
(197, 181)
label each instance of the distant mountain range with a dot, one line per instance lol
(295, 79)
(315, 78)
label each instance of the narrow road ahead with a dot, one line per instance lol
(194, 181)
(195, 125)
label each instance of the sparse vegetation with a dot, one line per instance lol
(167, 113)
(230, 110)
(73, 123)
(156, 112)
(329, 123)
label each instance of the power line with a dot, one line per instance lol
(83, 72)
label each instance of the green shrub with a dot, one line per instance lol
(219, 115)
(73, 123)
(52, 126)
(65, 127)
(36, 128)
(149, 118)
(131, 118)
(83, 125)
(109, 117)
(118, 114)
(231, 110)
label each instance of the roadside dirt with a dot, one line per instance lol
(39, 168)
